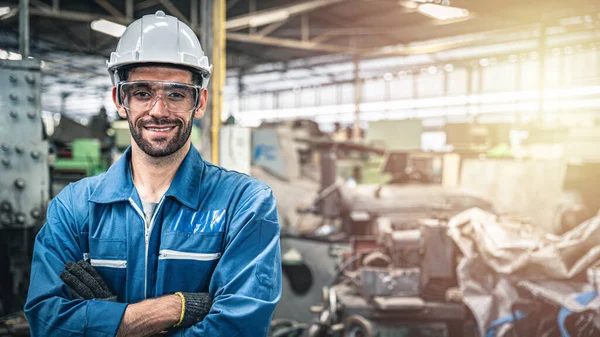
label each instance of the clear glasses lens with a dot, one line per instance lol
(141, 96)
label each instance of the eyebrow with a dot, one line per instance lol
(178, 86)
(140, 85)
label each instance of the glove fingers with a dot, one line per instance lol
(75, 295)
(104, 290)
(75, 285)
(88, 280)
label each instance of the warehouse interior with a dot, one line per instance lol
(436, 163)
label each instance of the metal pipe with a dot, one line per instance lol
(305, 28)
(129, 9)
(218, 76)
(24, 28)
(252, 10)
(194, 13)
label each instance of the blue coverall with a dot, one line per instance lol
(214, 230)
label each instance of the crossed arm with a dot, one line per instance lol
(150, 317)
(246, 283)
(141, 319)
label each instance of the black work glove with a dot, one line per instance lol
(84, 282)
(197, 306)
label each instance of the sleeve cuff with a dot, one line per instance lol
(104, 317)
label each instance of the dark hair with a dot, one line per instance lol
(124, 71)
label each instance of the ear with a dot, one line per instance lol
(120, 109)
(199, 113)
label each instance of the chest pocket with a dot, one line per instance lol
(190, 249)
(109, 258)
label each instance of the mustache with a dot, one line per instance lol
(156, 121)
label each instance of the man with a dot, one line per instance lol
(163, 231)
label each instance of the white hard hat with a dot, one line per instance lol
(159, 38)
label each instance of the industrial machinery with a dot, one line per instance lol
(399, 282)
(83, 159)
(79, 151)
(388, 271)
(24, 180)
(376, 255)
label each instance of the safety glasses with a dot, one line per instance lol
(141, 96)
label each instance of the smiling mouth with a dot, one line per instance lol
(159, 129)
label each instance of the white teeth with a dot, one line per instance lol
(161, 129)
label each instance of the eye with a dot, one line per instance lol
(140, 94)
(177, 95)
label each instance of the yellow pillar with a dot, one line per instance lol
(218, 77)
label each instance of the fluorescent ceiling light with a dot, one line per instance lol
(108, 27)
(4, 10)
(9, 55)
(443, 12)
(409, 4)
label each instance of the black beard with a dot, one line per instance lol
(168, 146)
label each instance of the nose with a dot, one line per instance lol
(159, 109)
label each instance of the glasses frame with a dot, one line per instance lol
(198, 89)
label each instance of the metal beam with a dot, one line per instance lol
(24, 28)
(271, 28)
(108, 7)
(287, 43)
(75, 16)
(40, 4)
(194, 13)
(272, 15)
(351, 31)
(281, 66)
(173, 10)
(304, 27)
(324, 37)
(251, 11)
(56, 5)
(337, 32)
(129, 11)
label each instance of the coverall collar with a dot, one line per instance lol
(117, 185)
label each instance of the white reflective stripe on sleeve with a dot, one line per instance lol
(166, 254)
(109, 263)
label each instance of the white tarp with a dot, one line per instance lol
(501, 251)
